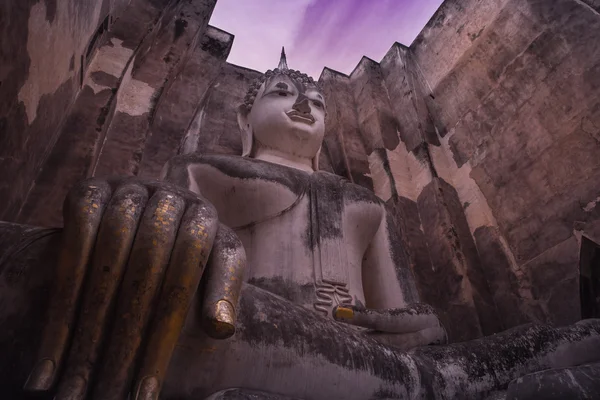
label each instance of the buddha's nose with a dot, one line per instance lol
(301, 104)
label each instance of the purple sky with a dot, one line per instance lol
(318, 33)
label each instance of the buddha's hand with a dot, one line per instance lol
(414, 325)
(132, 256)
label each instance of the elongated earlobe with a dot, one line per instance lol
(246, 132)
(315, 160)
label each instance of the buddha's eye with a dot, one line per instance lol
(317, 103)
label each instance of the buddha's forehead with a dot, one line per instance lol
(283, 81)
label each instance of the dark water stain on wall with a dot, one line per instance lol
(50, 10)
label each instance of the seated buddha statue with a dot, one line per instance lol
(236, 277)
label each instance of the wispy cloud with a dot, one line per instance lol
(318, 33)
(260, 27)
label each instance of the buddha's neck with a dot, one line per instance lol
(278, 157)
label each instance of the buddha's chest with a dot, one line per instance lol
(286, 257)
(301, 245)
(304, 241)
(312, 211)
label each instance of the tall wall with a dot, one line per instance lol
(44, 47)
(139, 89)
(482, 136)
(517, 106)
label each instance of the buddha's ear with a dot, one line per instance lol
(246, 131)
(315, 160)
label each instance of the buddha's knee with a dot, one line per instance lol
(581, 382)
(411, 340)
(246, 394)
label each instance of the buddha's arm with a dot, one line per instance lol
(390, 293)
(388, 281)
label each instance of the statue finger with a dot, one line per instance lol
(412, 318)
(224, 277)
(138, 293)
(83, 210)
(113, 245)
(188, 259)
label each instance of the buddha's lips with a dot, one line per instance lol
(301, 117)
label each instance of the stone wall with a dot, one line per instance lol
(482, 136)
(343, 144)
(139, 90)
(519, 113)
(44, 49)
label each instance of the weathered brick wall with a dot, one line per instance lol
(136, 100)
(219, 132)
(179, 116)
(42, 49)
(343, 144)
(520, 113)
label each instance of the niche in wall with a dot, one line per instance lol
(97, 40)
(589, 279)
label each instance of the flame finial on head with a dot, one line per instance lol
(282, 61)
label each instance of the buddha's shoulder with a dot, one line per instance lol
(239, 168)
(244, 168)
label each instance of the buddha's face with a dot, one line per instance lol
(288, 116)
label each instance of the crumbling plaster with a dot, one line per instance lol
(53, 45)
(111, 59)
(513, 123)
